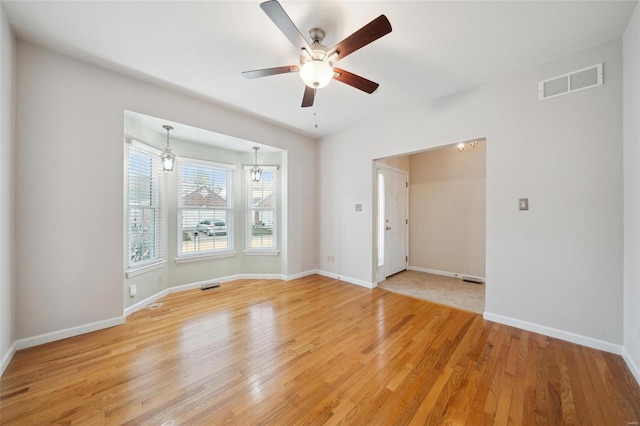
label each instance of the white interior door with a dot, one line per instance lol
(395, 221)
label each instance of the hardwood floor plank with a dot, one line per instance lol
(517, 397)
(313, 351)
(566, 391)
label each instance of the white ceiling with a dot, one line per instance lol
(435, 48)
(193, 134)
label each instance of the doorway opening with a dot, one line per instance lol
(444, 248)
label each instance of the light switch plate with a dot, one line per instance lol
(523, 204)
(358, 207)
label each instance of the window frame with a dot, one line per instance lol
(160, 216)
(249, 210)
(229, 251)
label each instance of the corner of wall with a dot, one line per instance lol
(7, 238)
(631, 184)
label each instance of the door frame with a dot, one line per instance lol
(379, 269)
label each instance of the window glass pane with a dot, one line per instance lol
(145, 213)
(205, 209)
(262, 211)
(262, 228)
(142, 225)
(202, 186)
(381, 215)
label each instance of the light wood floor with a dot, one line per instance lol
(314, 351)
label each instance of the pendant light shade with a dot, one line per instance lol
(255, 172)
(168, 157)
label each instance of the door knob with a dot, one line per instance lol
(388, 228)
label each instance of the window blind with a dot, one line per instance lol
(262, 210)
(205, 207)
(145, 205)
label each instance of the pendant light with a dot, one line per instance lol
(255, 172)
(168, 157)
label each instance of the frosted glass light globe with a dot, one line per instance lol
(316, 73)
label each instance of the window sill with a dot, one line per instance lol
(139, 270)
(261, 252)
(210, 256)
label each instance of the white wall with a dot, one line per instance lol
(447, 210)
(631, 120)
(559, 265)
(69, 163)
(7, 287)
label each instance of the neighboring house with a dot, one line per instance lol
(203, 197)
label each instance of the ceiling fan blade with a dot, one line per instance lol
(279, 17)
(309, 95)
(270, 71)
(371, 32)
(354, 80)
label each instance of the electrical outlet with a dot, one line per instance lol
(133, 290)
(160, 279)
(331, 259)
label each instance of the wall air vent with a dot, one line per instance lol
(572, 82)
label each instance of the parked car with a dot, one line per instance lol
(212, 227)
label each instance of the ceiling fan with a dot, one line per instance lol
(316, 61)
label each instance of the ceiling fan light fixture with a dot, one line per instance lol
(316, 74)
(316, 61)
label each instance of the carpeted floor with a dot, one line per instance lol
(436, 288)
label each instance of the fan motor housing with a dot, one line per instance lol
(318, 50)
(316, 35)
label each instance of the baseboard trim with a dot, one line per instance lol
(444, 273)
(258, 277)
(191, 286)
(350, 280)
(140, 305)
(632, 365)
(7, 358)
(554, 332)
(300, 275)
(67, 332)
